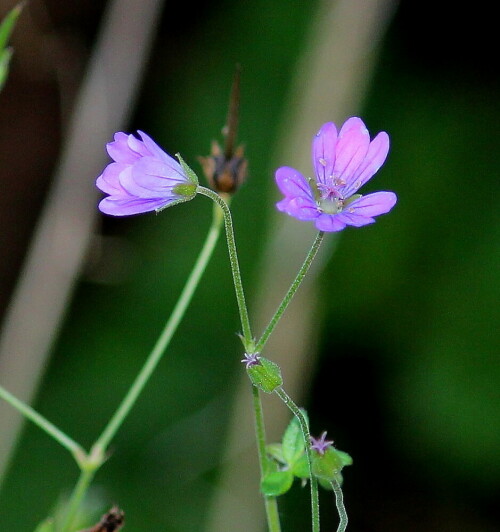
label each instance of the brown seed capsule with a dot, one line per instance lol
(226, 168)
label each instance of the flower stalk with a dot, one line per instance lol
(291, 291)
(304, 425)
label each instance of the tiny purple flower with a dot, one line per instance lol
(342, 162)
(142, 177)
(321, 444)
(251, 359)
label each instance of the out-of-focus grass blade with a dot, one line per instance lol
(6, 28)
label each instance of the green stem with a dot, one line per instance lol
(74, 448)
(339, 501)
(271, 504)
(77, 497)
(291, 291)
(235, 267)
(165, 337)
(307, 439)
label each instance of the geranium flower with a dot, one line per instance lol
(342, 163)
(142, 177)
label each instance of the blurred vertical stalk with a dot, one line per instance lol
(66, 224)
(331, 79)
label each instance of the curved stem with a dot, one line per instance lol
(68, 443)
(339, 501)
(271, 504)
(291, 291)
(165, 337)
(307, 439)
(235, 267)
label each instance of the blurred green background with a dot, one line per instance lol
(406, 376)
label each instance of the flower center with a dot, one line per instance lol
(330, 200)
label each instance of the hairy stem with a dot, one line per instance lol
(339, 501)
(235, 267)
(291, 291)
(271, 503)
(307, 439)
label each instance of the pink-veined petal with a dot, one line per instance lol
(109, 180)
(125, 207)
(154, 174)
(329, 223)
(292, 183)
(157, 152)
(375, 158)
(323, 151)
(302, 208)
(356, 220)
(373, 204)
(119, 149)
(352, 146)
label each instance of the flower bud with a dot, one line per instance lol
(264, 374)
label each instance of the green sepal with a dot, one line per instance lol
(276, 483)
(188, 190)
(275, 450)
(187, 170)
(328, 465)
(301, 467)
(266, 375)
(293, 442)
(173, 203)
(46, 526)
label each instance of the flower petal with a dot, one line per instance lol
(156, 175)
(157, 152)
(130, 185)
(117, 206)
(120, 151)
(301, 208)
(352, 146)
(375, 158)
(373, 204)
(329, 223)
(356, 220)
(109, 180)
(323, 151)
(292, 183)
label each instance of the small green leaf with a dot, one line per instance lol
(270, 466)
(344, 458)
(46, 526)
(301, 467)
(266, 375)
(276, 483)
(293, 442)
(275, 450)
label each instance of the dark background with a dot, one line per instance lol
(407, 375)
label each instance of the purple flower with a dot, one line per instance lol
(251, 359)
(142, 177)
(342, 163)
(321, 444)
